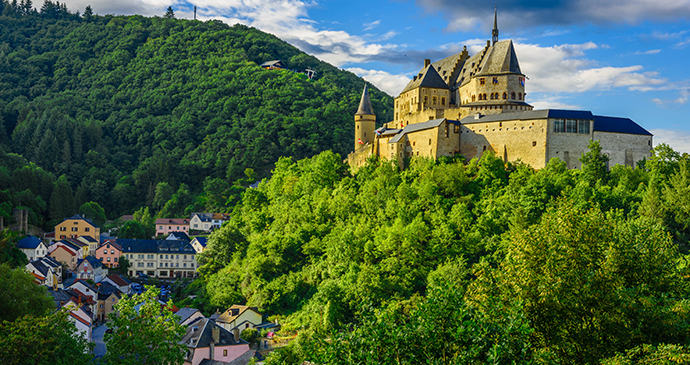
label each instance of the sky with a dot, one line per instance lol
(624, 58)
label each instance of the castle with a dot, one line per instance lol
(468, 105)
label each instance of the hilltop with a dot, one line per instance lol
(121, 104)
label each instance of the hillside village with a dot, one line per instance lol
(88, 272)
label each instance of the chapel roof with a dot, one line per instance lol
(427, 77)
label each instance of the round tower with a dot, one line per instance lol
(365, 121)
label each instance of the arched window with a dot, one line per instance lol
(491, 96)
(484, 96)
(472, 97)
(519, 96)
(512, 96)
(505, 96)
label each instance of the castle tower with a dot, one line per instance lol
(365, 121)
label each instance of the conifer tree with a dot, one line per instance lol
(169, 13)
(62, 199)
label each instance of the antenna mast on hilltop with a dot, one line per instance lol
(194, 12)
(494, 32)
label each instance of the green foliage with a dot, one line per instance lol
(44, 340)
(94, 211)
(20, 296)
(123, 265)
(132, 229)
(9, 253)
(144, 332)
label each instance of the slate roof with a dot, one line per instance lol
(427, 77)
(29, 241)
(417, 127)
(185, 313)
(531, 114)
(199, 335)
(85, 283)
(181, 236)
(136, 245)
(49, 261)
(60, 295)
(43, 269)
(94, 262)
(70, 250)
(202, 240)
(235, 311)
(449, 68)
(80, 217)
(365, 103)
(172, 246)
(204, 217)
(88, 238)
(618, 125)
(112, 244)
(105, 290)
(500, 59)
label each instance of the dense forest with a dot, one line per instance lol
(132, 112)
(456, 261)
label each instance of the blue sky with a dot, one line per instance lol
(613, 57)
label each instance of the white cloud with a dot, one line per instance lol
(677, 139)
(564, 69)
(390, 83)
(651, 51)
(551, 101)
(682, 99)
(372, 25)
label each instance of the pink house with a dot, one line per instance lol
(109, 253)
(165, 226)
(207, 340)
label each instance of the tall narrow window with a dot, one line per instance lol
(559, 126)
(571, 126)
(583, 126)
(512, 96)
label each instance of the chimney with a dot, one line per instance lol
(477, 116)
(427, 62)
(236, 332)
(215, 334)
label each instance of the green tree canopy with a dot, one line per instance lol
(20, 295)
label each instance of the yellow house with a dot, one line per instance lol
(240, 317)
(77, 226)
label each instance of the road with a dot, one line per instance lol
(97, 337)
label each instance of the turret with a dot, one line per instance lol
(365, 121)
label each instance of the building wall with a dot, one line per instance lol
(196, 224)
(624, 149)
(35, 253)
(73, 228)
(167, 228)
(160, 265)
(364, 130)
(61, 255)
(229, 353)
(568, 147)
(510, 140)
(109, 255)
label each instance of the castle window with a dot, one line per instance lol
(534, 143)
(429, 141)
(443, 101)
(505, 96)
(500, 124)
(426, 100)
(358, 127)
(484, 96)
(457, 128)
(491, 96)
(519, 96)
(484, 149)
(559, 126)
(571, 126)
(433, 101)
(472, 97)
(583, 126)
(495, 80)
(512, 96)
(482, 81)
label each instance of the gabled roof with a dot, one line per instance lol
(43, 269)
(417, 127)
(185, 313)
(181, 236)
(79, 318)
(118, 280)
(105, 290)
(49, 261)
(204, 217)
(85, 283)
(199, 335)
(427, 77)
(112, 245)
(202, 240)
(235, 311)
(88, 238)
(94, 262)
(273, 63)
(365, 103)
(174, 221)
(67, 249)
(30, 242)
(618, 125)
(80, 217)
(500, 59)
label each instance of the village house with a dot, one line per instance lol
(91, 242)
(108, 296)
(76, 226)
(45, 272)
(207, 221)
(109, 254)
(120, 282)
(86, 294)
(65, 255)
(165, 226)
(178, 236)
(240, 317)
(159, 258)
(81, 317)
(206, 340)
(199, 244)
(188, 315)
(32, 247)
(90, 268)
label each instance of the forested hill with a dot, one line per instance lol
(122, 104)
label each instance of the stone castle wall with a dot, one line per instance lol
(624, 149)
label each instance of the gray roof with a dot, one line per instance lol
(365, 103)
(200, 335)
(185, 313)
(449, 68)
(416, 127)
(618, 125)
(80, 217)
(530, 114)
(501, 58)
(427, 77)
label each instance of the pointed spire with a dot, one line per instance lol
(494, 32)
(365, 104)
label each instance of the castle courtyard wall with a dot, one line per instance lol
(624, 149)
(568, 147)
